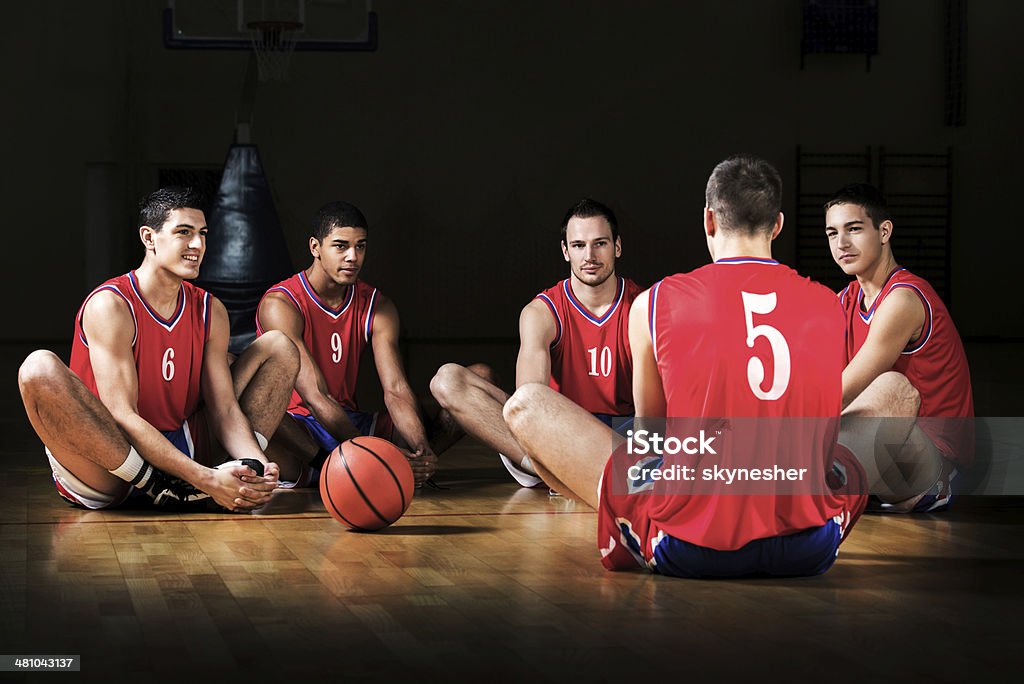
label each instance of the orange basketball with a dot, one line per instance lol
(366, 483)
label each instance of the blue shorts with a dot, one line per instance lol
(368, 424)
(619, 424)
(182, 440)
(808, 552)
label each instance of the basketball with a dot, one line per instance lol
(366, 483)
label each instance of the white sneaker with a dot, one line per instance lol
(524, 478)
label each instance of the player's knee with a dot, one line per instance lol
(905, 400)
(40, 369)
(447, 384)
(484, 371)
(518, 407)
(277, 346)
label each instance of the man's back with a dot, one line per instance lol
(714, 328)
(750, 342)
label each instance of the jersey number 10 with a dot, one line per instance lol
(765, 304)
(606, 361)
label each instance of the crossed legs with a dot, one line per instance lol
(880, 428)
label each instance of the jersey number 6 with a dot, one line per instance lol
(167, 367)
(765, 304)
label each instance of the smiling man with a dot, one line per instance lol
(149, 371)
(904, 359)
(332, 316)
(574, 337)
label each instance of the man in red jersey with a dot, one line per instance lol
(904, 359)
(149, 349)
(573, 336)
(332, 317)
(736, 349)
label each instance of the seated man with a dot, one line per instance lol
(573, 336)
(904, 360)
(743, 337)
(149, 369)
(332, 317)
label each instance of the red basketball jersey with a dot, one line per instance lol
(591, 362)
(935, 363)
(742, 338)
(168, 352)
(335, 338)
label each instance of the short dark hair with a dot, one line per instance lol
(588, 208)
(155, 207)
(745, 192)
(868, 197)
(336, 215)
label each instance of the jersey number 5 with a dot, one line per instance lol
(765, 304)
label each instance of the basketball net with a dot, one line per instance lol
(273, 42)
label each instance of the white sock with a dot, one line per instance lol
(261, 440)
(134, 470)
(527, 465)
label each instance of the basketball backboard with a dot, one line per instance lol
(324, 25)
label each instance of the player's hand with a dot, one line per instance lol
(229, 490)
(424, 463)
(271, 474)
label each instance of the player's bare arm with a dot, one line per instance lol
(398, 395)
(110, 329)
(537, 331)
(243, 488)
(278, 313)
(897, 322)
(648, 393)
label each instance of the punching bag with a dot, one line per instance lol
(246, 251)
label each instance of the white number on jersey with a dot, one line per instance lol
(336, 347)
(606, 361)
(168, 364)
(764, 304)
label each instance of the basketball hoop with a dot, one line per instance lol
(273, 42)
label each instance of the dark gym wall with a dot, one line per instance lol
(466, 136)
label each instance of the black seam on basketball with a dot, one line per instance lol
(327, 486)
(355, 483)
(401, 492)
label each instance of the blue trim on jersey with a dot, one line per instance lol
(206, 316)
(370, 310)
(558, 320)
(112, 288)
(166, 323)
(652, 311)
(808, 552)
(860, 297)
(285, 290)
(333, 313)
(927, 333)
(583, 310)
(842, 294)
(747, 260)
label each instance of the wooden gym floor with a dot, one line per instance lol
(481, 581)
